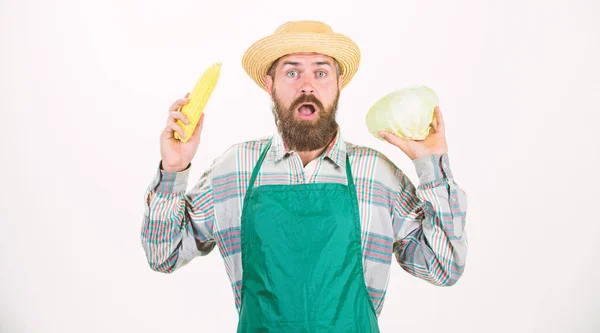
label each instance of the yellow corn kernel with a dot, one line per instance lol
(197, 100)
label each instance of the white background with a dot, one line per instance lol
(84, 92)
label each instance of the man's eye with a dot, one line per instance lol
(321, 74)
(292, 73)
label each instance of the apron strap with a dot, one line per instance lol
(349, 174)
(259, 164)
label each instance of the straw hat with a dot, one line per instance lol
(301, 36)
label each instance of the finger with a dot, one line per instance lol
(433, 125)
(434, 119)
(176, 115)
(430, 131)
(175, 127)
(440, 125)
(178, 103)
(395, 140)
(168, 131)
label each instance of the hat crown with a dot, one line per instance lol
(297, 37)
(303, 27)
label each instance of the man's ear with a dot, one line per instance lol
(269, 85)
(340, 79)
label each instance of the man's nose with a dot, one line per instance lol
(307, 87)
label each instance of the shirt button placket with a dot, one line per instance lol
(299, 174)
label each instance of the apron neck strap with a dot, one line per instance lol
(349, 173)
(259, 164)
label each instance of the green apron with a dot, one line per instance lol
(302, 259)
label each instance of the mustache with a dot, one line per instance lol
(307, 99)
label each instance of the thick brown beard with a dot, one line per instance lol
(306, 135)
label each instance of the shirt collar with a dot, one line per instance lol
(336, 151)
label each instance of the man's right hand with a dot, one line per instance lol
(176, 155)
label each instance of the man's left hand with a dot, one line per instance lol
(434, 143)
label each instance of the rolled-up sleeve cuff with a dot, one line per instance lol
(433, 168)
(172, 182)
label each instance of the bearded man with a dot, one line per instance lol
(307, 224)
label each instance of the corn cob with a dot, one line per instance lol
(198, 99)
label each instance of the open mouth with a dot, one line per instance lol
(307, 110)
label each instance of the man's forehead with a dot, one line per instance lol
(306, 57)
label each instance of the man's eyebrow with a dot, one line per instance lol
(293, 63)
(323, 63)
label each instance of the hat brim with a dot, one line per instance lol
(260, 56)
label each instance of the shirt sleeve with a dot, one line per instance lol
(177, 227)
(430, 241)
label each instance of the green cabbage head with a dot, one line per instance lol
(407, 113)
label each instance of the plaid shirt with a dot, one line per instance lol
(423, 227)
